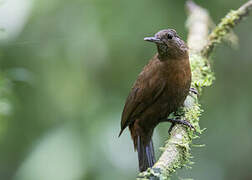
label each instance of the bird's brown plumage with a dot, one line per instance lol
(159, 90)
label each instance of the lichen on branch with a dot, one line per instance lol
(225, 26)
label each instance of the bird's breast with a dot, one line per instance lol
(177, 77)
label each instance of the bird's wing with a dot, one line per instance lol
(140, 98)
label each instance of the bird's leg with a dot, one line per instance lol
(180, 121)
(169, 130)
(177, 121)
(194, 91)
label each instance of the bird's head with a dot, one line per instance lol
(169, 44)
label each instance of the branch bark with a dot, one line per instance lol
(176, 152)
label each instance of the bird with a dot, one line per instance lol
(159, 90)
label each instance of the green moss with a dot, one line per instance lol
(182, 159)
(223, 28)
(202, 76)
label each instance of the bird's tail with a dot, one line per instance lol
(146, 155)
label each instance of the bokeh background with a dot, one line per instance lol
(66, 68)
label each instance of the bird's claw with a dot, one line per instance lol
(170, 129)
(194, 91)
(179, 121)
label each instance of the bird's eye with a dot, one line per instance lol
(169, 36)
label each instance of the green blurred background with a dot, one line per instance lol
(66, 70)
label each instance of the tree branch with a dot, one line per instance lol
(176, 152)
(225, 26)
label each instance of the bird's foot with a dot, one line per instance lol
(194, 91)
(170, 129)
(179, 121)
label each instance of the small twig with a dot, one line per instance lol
(225, 26)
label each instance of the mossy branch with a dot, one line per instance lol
(225, 26)
(176, 152)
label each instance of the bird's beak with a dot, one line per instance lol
(153, 39)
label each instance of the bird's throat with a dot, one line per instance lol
(163, 52)
(166, 53)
